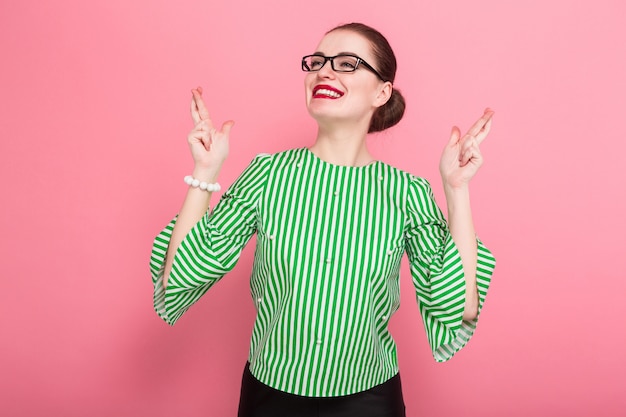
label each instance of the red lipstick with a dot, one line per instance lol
(326, 91)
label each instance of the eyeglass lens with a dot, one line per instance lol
(340, 63)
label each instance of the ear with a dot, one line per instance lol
(384, 94)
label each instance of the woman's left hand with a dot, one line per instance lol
(461, 157)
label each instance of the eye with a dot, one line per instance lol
(316, 62)
(346, 63)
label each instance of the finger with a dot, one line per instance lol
(484, 132)
(467, 142)
(480, 123)
(455, 136)
(207, 143)
(195, 109)
(473, 155)
(202, 110)
(470, 155)
(465, 151)
(201, 126)
(195, 115)
(200, 137)
(464, 158)
(227, 126)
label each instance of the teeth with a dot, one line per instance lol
(328, 93)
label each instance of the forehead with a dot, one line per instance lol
(339, 41)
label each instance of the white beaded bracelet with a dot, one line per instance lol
(205, 186)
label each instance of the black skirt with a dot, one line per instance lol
(260, 400)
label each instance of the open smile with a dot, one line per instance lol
(326, 91)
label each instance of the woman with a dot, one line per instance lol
(332, 224)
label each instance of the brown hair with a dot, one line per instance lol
(391, 112)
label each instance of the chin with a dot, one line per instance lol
(323, 117)
(323, 108)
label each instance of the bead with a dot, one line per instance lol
(203, 185)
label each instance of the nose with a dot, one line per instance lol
(326, 70)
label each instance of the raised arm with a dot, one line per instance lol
(209, 149)
(460, 161)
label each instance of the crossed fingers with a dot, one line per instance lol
(481, 128)
(199, 111)
(469, 143)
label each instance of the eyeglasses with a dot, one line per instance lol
(339, 63)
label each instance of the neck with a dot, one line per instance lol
(347, 147)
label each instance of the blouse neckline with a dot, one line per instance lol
(320, 161)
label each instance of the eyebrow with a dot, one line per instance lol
(340, 53)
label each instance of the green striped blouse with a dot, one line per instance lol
(325, 279)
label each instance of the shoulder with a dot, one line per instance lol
(264, 164)
(279, 161)
(413, 182)
(417, 193)
(287, 155)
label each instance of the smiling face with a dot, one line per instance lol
(345, 97)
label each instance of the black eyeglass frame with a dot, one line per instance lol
(359, 61)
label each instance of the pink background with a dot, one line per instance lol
(93, 121)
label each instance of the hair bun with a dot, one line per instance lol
(389, 114)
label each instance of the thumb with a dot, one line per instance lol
(455, 136)
(227, 126)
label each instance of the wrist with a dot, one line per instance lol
(457, 199)
(202, 185)
(461, 189)
(206, 174)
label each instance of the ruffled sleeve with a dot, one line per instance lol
(211, 248)
(437, 273)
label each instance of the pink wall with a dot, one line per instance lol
(93, 120)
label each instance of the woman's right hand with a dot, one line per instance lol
(209, 146)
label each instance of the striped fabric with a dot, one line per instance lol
(325, 279)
